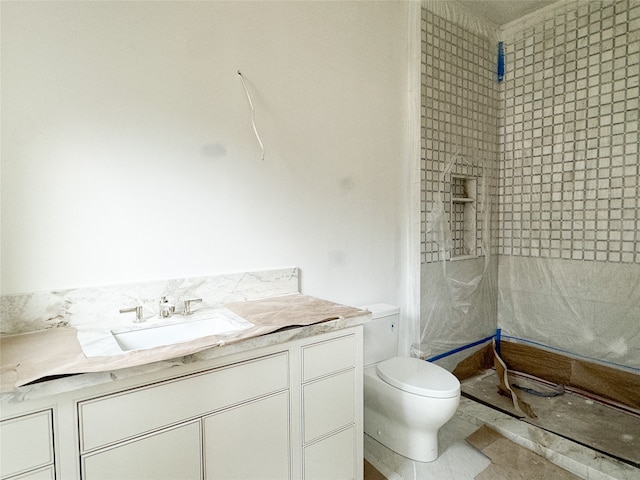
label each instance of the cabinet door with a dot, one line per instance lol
(250, 441)
(172, 454)
(27, 443)
(332, 458)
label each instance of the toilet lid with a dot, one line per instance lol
(419, 377)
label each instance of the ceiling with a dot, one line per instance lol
(503, 11)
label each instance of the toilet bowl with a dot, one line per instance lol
(406, 400)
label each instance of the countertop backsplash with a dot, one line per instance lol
(99, 307)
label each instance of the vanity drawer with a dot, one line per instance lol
(328, 404)
(333, 457)
(27, 443)
(327, 357)
(109, 419)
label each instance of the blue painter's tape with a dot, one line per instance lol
(500, 62)
(498, 337)
(460, 349)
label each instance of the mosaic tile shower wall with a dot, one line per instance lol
(460, 107)
(569, 180)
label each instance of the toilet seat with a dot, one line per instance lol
(419, 377)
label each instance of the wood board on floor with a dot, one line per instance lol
(612, 383)
(510, 461)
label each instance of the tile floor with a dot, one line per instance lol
(459, 461)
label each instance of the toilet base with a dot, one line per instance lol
(404, 422)
(416, 445)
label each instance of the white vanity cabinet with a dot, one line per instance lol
(27, 447)
(290, 410)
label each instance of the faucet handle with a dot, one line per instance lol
(138, 311)
(187, 305)
(165, 309)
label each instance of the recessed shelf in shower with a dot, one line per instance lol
(463, 216)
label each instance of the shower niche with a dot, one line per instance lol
(464, 225)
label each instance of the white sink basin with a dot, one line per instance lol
(220, 322)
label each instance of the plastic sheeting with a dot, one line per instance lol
(586, 309)
(467, 20)
(458, 303)
(583, 308)
(459, 297)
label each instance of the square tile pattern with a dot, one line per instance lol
(564, 125)
(460, 107)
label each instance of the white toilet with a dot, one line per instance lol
(406, 400)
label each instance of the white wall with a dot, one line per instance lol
(128, 152)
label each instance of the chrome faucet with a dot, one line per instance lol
(138, 311)
(165, 309)
(187, 305)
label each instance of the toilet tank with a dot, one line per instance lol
(381, 333)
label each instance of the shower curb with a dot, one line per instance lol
(573, 457)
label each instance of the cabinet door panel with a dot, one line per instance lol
(27, 443)
(250, 441)
(172, 454)
(331, 458)
(328, 404)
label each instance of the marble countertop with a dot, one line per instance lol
(31, 364)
